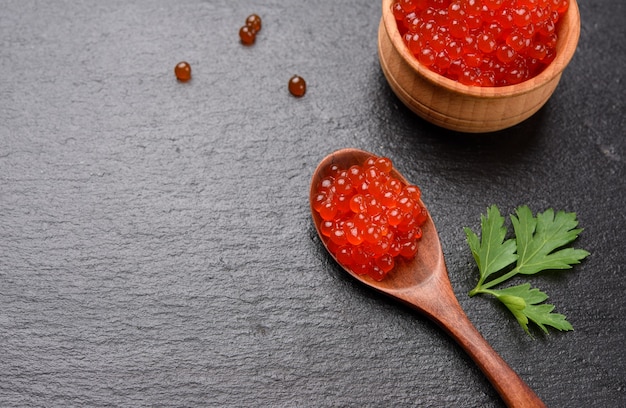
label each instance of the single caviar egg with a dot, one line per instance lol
(247, 35)
(254, 22)
(370, 219)
(182, 71)
(297, 86)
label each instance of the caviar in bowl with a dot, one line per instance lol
(469, 108)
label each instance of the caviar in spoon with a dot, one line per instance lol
(422, 283)
(370, 218)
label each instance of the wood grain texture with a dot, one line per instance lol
(156, 246)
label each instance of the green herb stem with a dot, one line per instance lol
(499, 280)
(481, 286)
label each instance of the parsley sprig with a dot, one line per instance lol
(539, 245)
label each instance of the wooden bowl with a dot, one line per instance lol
(465, 108)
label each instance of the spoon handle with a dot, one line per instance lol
(444, 309)
(513, 390)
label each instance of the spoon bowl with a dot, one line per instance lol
(423, 284)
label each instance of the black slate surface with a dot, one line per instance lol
(155, 243)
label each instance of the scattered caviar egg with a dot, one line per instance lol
(380, 223)
(182, 71)
(254, 22)
(481, 43)
(247, 35)
(297, 86)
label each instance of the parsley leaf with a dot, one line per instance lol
(538, 238)
(523, 302)
(492, 253)
(538, 246)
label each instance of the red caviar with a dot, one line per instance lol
(297, 86)
(369, 217)
(182, 70)
(247, 35)
(248, 32)
(481, 42)
(254, 22)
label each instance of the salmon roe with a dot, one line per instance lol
(297, 86)
(369, 218)
(248, 32)
(182, 70)
(254, 22)
(481, 42)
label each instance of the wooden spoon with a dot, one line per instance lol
(423, 284)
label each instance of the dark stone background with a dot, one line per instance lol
(156, 247)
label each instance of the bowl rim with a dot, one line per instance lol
(569, 23)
